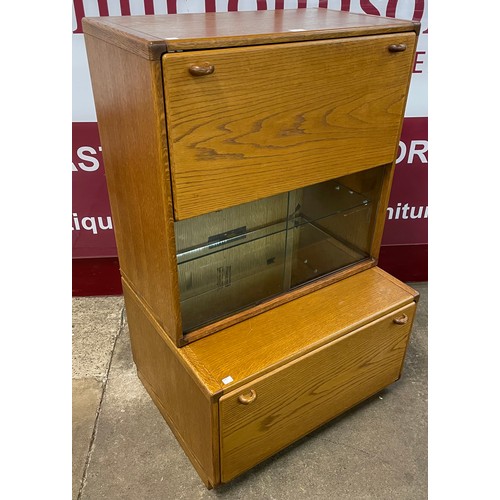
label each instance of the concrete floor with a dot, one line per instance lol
(123, 449)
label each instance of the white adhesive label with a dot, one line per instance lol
(227, 380)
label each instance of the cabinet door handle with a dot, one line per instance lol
(397, 47)
(401, 320)
(201, 69)
(246, 399)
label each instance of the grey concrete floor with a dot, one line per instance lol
(123, 449)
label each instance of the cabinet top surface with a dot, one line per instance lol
(151, 36)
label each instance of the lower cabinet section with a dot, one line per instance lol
(268, 414)
(226, 427)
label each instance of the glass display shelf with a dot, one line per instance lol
(238, 257)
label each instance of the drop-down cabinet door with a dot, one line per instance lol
(250, 122)
(268, 414)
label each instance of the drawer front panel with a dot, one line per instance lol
(265, 416)
(274, 118)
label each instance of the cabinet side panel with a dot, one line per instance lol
(129, 103)
(190, 412)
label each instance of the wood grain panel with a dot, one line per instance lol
(129, 104)
(264, 342)
(175, 389)
(276, 118)
(303, 395)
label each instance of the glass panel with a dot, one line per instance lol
(222, 283)
(330, 231)
(235, 258)
(231, 259)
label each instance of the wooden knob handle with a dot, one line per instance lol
(201, 69)
(246, 399)
(397, 47)
(401, 320)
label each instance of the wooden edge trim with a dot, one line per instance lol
(412, 25)
(277, 301)
(404, 286)
(126, 38)
(161, 332)
(164, 173)
(287, 37)
(216, 441)
(380, 212)
(413, 314)
(199, 469)
(220, 445)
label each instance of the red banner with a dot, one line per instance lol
(92, 224)
(407, 214)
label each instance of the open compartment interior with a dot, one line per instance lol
(236, 258)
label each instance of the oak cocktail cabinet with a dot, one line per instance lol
(249, 158)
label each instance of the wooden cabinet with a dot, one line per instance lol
(249, 158)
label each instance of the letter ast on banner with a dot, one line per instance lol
(92, 225)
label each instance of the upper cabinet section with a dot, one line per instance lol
(250, 122)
